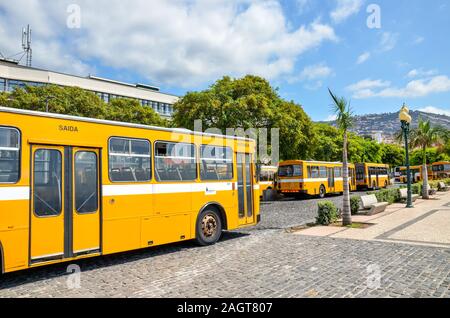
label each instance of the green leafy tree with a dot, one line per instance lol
(344, 122)
(423, 137)
(393, 155)
(79, 102)
(131, 111)
(248, 102)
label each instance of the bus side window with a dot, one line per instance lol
(175, 161)
(129, 160)
(9, 155)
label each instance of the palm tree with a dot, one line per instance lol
(423, 137)
(344, 120)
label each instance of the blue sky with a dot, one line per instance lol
(301, 46)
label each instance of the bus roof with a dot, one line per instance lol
(441, 163)
(114, 123)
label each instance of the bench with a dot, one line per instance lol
(443, 187)
(431, 191)
(370, 202)
(404, 195)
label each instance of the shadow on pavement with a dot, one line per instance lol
(32, 275)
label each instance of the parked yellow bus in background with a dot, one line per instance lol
(440, 170)
(74, 187)
(416, 174)
(267, 178)
(300, 177)
(372, 175)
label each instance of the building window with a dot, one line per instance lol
(9, 155)
(216, 163)
(129, 160)
(47, 182)
(2, 85)
(175, 162)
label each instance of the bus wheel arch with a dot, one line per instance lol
(209, 211)
(322, 191)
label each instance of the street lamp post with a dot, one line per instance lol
(405, 119)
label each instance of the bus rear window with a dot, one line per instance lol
(290, 171)
(9, 155)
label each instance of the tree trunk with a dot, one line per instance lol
(346, 211)
(425, 194)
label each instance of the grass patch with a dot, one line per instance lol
(355, 225)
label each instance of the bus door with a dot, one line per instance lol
(245, 188)
(378, 171)
(65, 214)
(331, 179)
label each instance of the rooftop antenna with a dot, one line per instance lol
(26, 44)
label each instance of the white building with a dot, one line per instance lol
(14, 75)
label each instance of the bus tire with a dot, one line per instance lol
(209, 227)
(322, 192)
(374, 185)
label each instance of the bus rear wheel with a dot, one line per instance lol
(209, 227)
(322, 192)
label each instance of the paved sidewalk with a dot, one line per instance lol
(428, 223)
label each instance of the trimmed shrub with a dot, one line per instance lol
(327, 213)
(355, 204)
(387, 195)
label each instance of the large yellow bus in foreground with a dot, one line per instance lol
(440, 170)
(74, 187)
(300, 177)
(372, 175)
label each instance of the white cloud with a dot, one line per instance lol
(368, 84)
(345, 9)
(174, 42)
(388, 41)
(413, 89)
(418, 40)
(363, 58)
(331, 118)
(313, 75)
(435, 110)
(420, 73)
(317, 71)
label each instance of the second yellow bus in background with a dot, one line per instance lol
(299, 177)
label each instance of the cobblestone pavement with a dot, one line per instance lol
(292, 212)
(265, 261)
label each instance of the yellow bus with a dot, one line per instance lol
(73, 187)
(372, 175)
(416, 174)
(267, 178)
(300, 177)
(441, 170)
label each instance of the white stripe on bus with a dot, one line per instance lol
(14, 193)
(117, 190)
(304, 180)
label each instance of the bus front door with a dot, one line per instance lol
(245, 188)
(65, 217)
